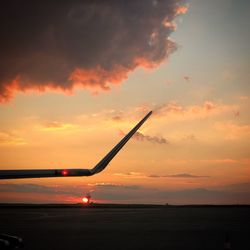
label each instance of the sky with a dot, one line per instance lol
(76, 76)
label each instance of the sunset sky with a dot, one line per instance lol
(75, 77)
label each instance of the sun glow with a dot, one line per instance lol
(86, 199)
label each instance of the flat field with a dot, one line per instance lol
(128, 227)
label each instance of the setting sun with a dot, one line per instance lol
(75, 78)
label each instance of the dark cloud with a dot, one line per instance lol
(181, 175)
(204, 196)
(238, 187)
(73, 190)
(34, 188)
(237, 193)
(237, 113)
(61, 45)
(184, 196)
(117, 118)
(187, 78)
(186, 175)
(154, 139)
(143, 175)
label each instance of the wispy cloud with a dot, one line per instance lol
(132, 175)
(219, 161)
(186, 175)
(144, 175)
(11, 138)
(154, 139)
(187, 78)
(112, 185)
(56, 126)
(208, 108)
(174, 111)
(190, 137)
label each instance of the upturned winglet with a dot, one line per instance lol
(100, 166)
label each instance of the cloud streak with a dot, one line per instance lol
(11, 138)
(32, 188)
(112, 185)
(58, 126)
(154, 139)
(206, 109)
(186, 175)
(174, 111)
(143, 175)
(81, 44)
(187, 78)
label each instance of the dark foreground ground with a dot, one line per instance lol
(132, 227)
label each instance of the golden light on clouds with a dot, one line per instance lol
(11, 138)
(194, 147)
(57, 127)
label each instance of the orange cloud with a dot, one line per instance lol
(58, 126)
(11, 138)
(168, 24)
(208, 108)
(171, 112)
(134, 175)
(9, 89)
(181, 10)
(98, 79)
(94, 80)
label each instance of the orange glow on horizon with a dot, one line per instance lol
(70, 114)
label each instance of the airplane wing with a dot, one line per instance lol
(100, 166)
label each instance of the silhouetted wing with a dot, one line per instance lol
(105, 161)
(42, 173)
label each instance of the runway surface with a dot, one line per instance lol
(163, 227)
